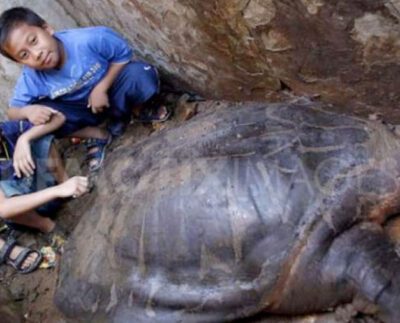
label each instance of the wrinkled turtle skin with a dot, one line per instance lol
(254, 208)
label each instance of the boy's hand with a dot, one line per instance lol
(39, 114)
(22, 159)
(75, 187)
(98, 99)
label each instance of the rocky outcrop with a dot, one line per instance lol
(346, 51)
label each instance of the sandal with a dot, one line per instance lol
(152, 114)
(18, 262)
(95, 158)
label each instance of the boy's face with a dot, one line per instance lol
(34, 47)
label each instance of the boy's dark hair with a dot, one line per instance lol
(13, 17)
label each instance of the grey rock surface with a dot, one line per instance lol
(345, 51)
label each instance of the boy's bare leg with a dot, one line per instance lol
(31, 219)
(136, 110)
(56, 165)
(34, 220)
(91, 132)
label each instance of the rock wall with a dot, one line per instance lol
(347, 52)
(240, 49)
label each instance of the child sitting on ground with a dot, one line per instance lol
(33, 181)
(86, 73)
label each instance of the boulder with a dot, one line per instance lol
(345, 51)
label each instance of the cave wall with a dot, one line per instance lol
(345, 51)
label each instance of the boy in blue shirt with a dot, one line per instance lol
(85, 73)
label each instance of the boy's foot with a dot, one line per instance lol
(24, 260)
(96, 149)
(153, 114)
(117, 128)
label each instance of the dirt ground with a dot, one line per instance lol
(33, 293)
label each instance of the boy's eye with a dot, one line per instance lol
(33, 40)
(23, 55)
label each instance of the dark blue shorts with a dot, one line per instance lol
(40, 180)
(137, 83)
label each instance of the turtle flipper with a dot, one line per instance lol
(365, 258)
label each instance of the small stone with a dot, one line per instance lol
(375, 116)
(397, 130)
(185, 110)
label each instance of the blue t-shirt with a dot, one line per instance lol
(89, 52)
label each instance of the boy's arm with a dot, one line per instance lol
(16, 205)
(22, 158)
(98, 98)
(35, 113)
(113, 48)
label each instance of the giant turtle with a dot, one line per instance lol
(255, 208)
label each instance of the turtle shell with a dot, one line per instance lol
(228, 215)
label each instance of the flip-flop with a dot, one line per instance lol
(18, 262)
(97, 155)
(152, 114)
